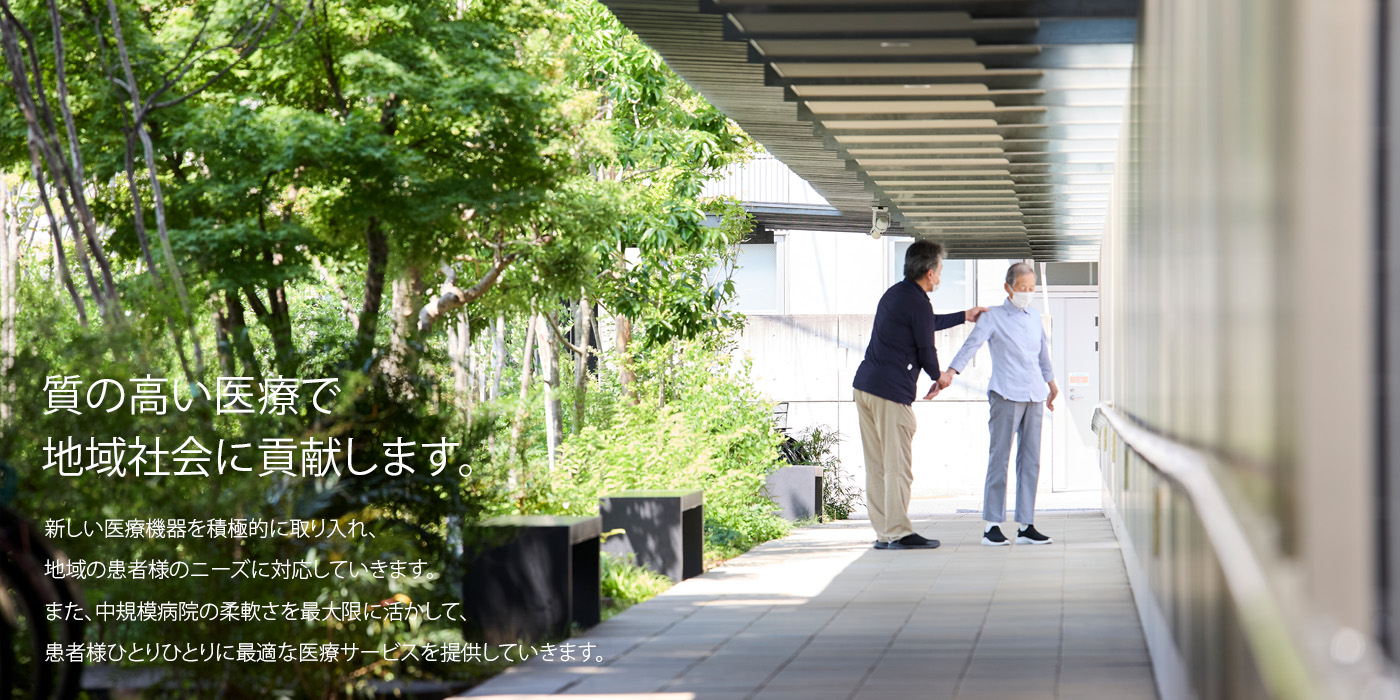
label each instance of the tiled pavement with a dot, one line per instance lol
(820, 614)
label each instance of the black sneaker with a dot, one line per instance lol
(914, 541)
(881, 544)
(994, 538)
(1031, 536)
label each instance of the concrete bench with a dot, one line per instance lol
(535, 575)
(663, 530)
(797, 490)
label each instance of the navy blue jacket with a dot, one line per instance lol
(901, 343)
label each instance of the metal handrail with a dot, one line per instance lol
(1281, 665)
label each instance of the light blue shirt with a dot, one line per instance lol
(1020, 352)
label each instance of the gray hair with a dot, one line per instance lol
(1016, 270)
(921, 257)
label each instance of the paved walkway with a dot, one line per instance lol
(820, 614)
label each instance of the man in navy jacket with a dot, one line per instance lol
(901, 345)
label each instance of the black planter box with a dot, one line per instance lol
(537, 574)
(663, 530)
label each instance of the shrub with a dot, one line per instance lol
(817, 446)
(627, 583)
(695, 425)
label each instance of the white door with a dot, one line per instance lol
(1075, 348)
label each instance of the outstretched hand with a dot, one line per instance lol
(946, 379)
(933, 391)
(975, 312)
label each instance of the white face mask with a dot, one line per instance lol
(1021, 300)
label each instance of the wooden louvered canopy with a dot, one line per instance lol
(990, 126)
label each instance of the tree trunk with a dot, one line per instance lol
(139, 127)
(9, 234)
(480, 382)
(499, 348)
(238, 334)
(498, 368)
(277, 317)
(527, 367)
(583, 330)
(158, 201)
(403, 343)
(11, 336)
(76, 180)
(553, 406)
(45, 154)
(672, 359)
(595, 330)
(223, 345)
(60, 270)
(54, 224)
(458, 338)
(279, 324)
(626, 376)
(377, 251)
(138, 218)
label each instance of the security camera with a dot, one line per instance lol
(879, 221)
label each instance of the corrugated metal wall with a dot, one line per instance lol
(1237, 287)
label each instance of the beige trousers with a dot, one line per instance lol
(887, 432)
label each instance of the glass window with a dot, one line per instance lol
(756, 277)
(1071, 273)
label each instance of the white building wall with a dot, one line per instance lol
(808, 362)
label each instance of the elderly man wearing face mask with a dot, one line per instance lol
(1022, 378)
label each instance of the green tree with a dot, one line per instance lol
(366, 190)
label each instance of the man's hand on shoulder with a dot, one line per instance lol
(975, 312)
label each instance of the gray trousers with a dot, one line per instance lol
(1020, 419)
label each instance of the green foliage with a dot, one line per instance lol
(696, 424)
(654, 143)
(539, 130)
(627, 584)
(407, 518)
(817, 446)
